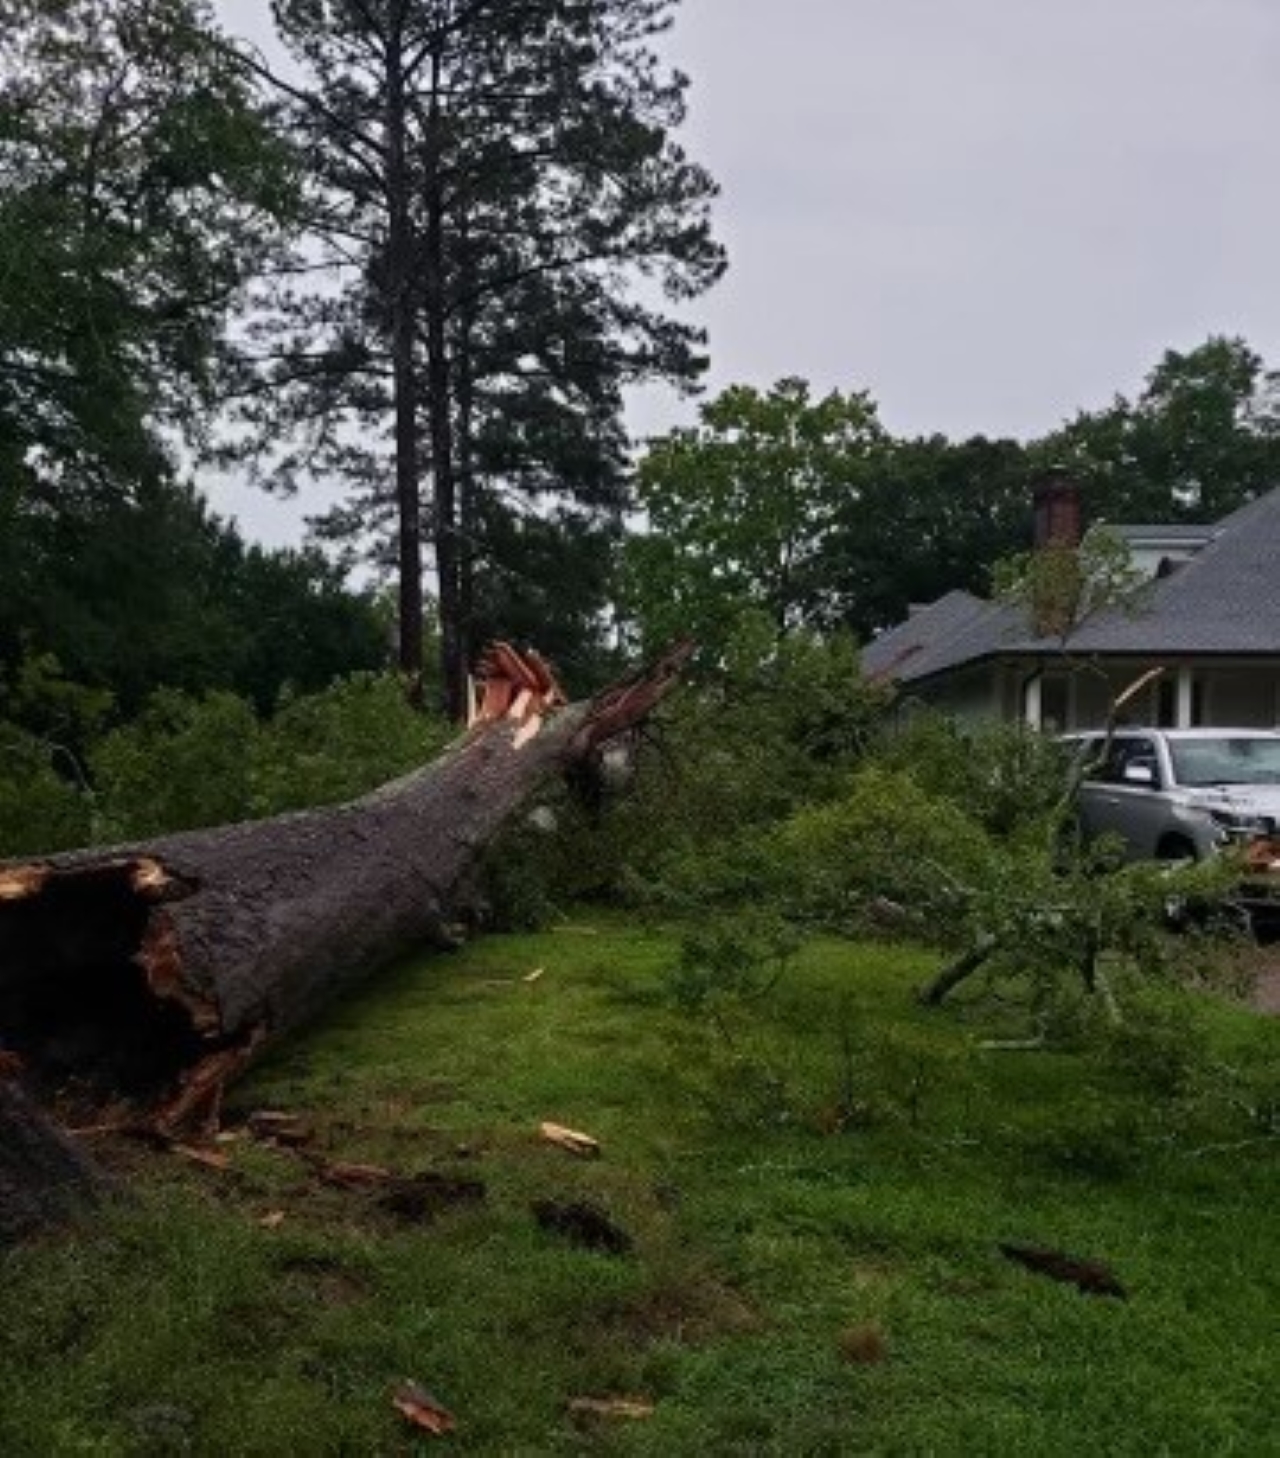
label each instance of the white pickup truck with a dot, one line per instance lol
(1187, 794)
(1182, 794)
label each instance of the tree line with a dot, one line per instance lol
(421, 253)
(399, 258)
(780, 511)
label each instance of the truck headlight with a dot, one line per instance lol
(1237, 825)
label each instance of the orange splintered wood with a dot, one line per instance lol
(208, 1158)
(515, 685)
(527, 731)
(161, 963)
(22, 882)
(424, 1411)
(198, 1105)
(150, 879)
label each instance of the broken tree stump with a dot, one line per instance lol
(155, 972)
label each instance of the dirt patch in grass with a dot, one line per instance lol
(691, 1312)
(422, 1198)
(323, 1279)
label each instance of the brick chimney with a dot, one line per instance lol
(1059, 518)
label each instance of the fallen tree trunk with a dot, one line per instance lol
(154, 973)
(44, 1178)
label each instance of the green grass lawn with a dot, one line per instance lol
(816, 1189)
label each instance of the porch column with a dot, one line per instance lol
(1032, 701)
(1184, 700)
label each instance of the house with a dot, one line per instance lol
(1209, 616)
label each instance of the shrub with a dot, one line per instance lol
(1006, 776)
(323, 748)
(183, 763)
(885, 840)
(40, 808)
(739, 958)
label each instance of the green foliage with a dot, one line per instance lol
(189, 761)
(155, 590)
(1163, 1046)
(487, 292)
(737, 958)
(741, 510)
(1202, 438)
(928, 516)
(183, 763)
(41, 698)
(1062, 586)
(41, 809)
(138, 184)
(1008, 777)
(886, 839)
(318, 749)
(779, 729)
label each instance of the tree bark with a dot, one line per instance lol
(453, 664)
(44, 1179)
(153, 973)
(402, 300)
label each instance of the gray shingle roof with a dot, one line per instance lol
(1225, 600)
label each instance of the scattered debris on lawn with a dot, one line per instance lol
(348, 1176)
(422, 1197)
(208, 1158)
(274, 1126)
(628, 1409)
(573, 1140)
(865, 1345)
(272, 1220)
(1091, 1277)
(535, 974)
(583, 1224)
(418, 1406)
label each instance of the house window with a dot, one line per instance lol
(1055, 702)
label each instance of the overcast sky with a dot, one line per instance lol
(987, 213)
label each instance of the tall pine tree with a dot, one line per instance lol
(489, 181)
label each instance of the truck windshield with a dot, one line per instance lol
(1234, 759)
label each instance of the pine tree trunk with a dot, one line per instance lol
(453, 664)
(401, 296)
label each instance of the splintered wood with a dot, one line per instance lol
(626, 1409)
(516, 686)
(583, 1145)
(417, 1406)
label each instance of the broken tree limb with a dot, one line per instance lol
(155, 972)
(954, 973)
